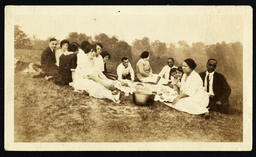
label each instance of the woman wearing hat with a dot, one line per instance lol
(192, 98)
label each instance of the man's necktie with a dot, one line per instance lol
(208, 80)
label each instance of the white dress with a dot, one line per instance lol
(197, 100)
(99, 62)
(85, 67)
(81, 57)
(147, 68)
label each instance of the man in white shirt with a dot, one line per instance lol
(164, 76)
(124, 70)
(210, 79)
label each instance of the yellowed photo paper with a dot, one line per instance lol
(83, 78)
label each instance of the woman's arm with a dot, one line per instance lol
(151, 71)
(175, 87)
(182, 95)
(119, 71)
(162, 72)
(102, 76)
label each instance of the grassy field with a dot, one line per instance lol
(45, 112)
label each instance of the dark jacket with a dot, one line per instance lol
(48, 61)
(221, 88)
(67, 62)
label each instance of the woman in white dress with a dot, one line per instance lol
(87, 76)
(192, 97)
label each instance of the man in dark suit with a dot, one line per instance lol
(216, 86)
(48, 60)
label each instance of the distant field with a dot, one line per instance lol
(45, 112)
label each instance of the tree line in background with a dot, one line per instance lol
(228, 55)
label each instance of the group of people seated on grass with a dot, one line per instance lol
(84, 68)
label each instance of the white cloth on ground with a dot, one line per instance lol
(165, 93)
(152, 78)
(126, 86)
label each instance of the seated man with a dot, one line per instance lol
(48, 60)
(165, 75)
(144, 70)
(124, 70)
(216, 86)
(106, 56)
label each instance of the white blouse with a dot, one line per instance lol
(192, 84)
(121, 70)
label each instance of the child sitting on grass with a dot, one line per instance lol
(176, 75)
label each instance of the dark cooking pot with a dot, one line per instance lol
(143, 99)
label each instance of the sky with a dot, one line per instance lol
(165, 23)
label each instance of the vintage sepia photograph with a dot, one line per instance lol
(128, 78)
